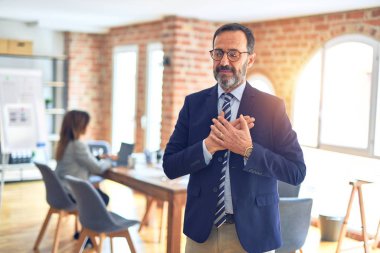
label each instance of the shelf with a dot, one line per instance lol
(55, 84)
(17, 166)
(53, 137)
(59, 111)
(48, 57)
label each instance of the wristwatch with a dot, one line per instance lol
(248, 152)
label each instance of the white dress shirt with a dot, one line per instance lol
(235, 103)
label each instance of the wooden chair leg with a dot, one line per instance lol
(101, 240)
(43, 228)
(111, 243)
(80, 244)
(94, 242)
(57, 231)
(77, 225)
(377, 237)
(130, 243)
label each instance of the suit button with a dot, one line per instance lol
(215, 189)
(220, 159)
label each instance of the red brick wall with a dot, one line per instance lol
(186, 43)
(283, 47)
(85, 88)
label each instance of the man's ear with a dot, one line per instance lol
(251, 59)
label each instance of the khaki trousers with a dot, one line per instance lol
(221, 240)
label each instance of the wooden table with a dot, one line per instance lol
(153, 182)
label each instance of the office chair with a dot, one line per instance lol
(295, 214)
(98, 147)
(96, 220)
(286, 190)
(59, 201)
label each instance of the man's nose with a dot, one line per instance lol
(224, 61)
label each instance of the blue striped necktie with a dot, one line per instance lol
(220, 215)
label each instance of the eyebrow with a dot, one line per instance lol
(227, 49)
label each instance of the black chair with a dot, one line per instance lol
(96, 220)
(59, 201)
(295, 214)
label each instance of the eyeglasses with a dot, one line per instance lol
(232, 55)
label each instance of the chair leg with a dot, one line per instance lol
(43, 228)
(111, 243)
(57, 231)
(94, 242)
(80, 244)
(101, 240)
(76, 223)
(130, 243)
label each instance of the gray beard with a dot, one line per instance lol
(227, 83)
(234, 81)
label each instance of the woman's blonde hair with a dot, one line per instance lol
(74, 124)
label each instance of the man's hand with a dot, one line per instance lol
(212, 146)
(224, 134)
(210, 143)
(236, 123)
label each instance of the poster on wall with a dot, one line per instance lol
(22, 117)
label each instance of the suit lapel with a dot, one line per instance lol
(212, 103)
(247, 101)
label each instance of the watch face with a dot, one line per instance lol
(248, 152)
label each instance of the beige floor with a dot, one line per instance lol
(24, 208)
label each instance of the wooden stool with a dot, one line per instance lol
(377, 237)
(356, 186)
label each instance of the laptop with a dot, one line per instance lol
(125, 151)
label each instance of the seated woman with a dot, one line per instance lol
(73, 155)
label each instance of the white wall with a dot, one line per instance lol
(45, 42)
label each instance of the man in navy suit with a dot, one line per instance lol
(235, 142)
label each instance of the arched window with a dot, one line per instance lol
(307, 102)
(262, 83)
(336, 97)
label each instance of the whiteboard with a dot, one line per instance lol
(22, 114)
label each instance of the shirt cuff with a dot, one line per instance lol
(206, 154)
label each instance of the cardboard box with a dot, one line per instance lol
(3, 46)
(22, 47)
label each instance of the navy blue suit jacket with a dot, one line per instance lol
(276, 156)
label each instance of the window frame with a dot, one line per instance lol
(121, 49)
(370, 150)
(152, 46)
